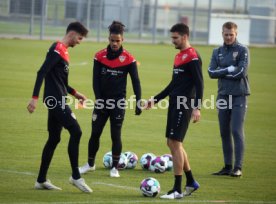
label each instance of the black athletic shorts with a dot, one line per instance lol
(178, 121)
(115, 114)
(59, 117)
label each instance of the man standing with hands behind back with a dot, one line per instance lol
(229, 64)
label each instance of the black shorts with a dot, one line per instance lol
(100, 116)
(61, 117)
(178, 121)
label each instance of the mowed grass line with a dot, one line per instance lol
(23, 135)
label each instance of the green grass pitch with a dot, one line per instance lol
(22, 136)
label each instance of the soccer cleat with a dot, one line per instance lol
(85, 168)
(47, 185)
(223, 172)
(80, 184)
(236, 172)
(191, 188)
(172, 195)
(114, 172)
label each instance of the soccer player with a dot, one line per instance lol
(54, 71)
(185, 93)
(111, 67)
(229, 64)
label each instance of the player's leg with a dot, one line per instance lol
(99, 118)
(54, 131)
(224, 116)
(174, 142)
(69, 121)
(116, 121)
(237, 122)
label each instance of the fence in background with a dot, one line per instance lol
(145, 20)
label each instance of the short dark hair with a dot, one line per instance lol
(229, 25)
(180, 28)
(78, 27)
(116, 27)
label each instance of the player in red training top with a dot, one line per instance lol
(111, 67)
(54, 71)
(185, 93)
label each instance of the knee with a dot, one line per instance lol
(54, 139)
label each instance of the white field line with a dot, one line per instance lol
(156, 200)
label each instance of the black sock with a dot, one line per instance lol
(91, 161)
(115, 161)
(228, 166)
(177, 183)
(189, 177)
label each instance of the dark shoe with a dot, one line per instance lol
(236, 172)
(223, 172)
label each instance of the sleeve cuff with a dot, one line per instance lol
(35, 97)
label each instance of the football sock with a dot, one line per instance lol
(115, 161)
(91, 161)
(189, 177)
(177, 183)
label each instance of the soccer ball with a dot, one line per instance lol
(150, 187)
(146, 159)
(158, 165)
(132, 160)
(122, 162)
(107, 161)
(169, 160)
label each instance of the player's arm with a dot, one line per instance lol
(51, 59)
(163, 94)
(136, 86)
(214, 70)
(199, 86)
(81, 97)
(240, 71)
(97, 79)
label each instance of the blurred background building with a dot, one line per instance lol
(145, 20)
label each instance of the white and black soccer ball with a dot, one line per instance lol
(107, 161)
(146, 160)
(122, 164)
(168, 158)
(150, 187)
(132, 160)
(158, 165)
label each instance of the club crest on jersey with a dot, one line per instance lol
(235, 54)
(184, 57)
(66, 68)
(122, 58)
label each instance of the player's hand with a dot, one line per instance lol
(231, 69)
(80, 97)
(32, 105)
(195, 115)
(149, 104)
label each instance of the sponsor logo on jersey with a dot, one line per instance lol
(103, 70)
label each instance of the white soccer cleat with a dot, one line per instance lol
(114, 172)
(80, 184)
(172, 195)
(85, 168)
(47, 185)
